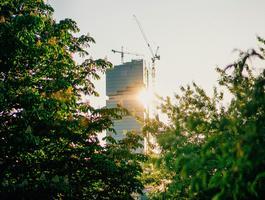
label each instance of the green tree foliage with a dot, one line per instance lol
(213, 151)
(48, 136)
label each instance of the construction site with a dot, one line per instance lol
(131, 85)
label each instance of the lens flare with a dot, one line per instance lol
(146, 97)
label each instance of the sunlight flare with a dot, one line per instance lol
(146, 97)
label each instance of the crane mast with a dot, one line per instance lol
(151, 106)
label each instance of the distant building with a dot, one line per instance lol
(123, 84)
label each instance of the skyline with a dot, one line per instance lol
(194, 37)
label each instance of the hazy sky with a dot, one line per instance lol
(194, 36)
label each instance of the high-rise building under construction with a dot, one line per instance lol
(123, 84)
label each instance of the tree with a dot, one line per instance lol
(215, 152)
(48, 136)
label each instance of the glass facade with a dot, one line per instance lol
(123, 84)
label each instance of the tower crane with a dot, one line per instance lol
(122, 52)
(155, 55)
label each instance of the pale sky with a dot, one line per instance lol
(194, 36)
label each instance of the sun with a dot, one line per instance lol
(146, 97)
